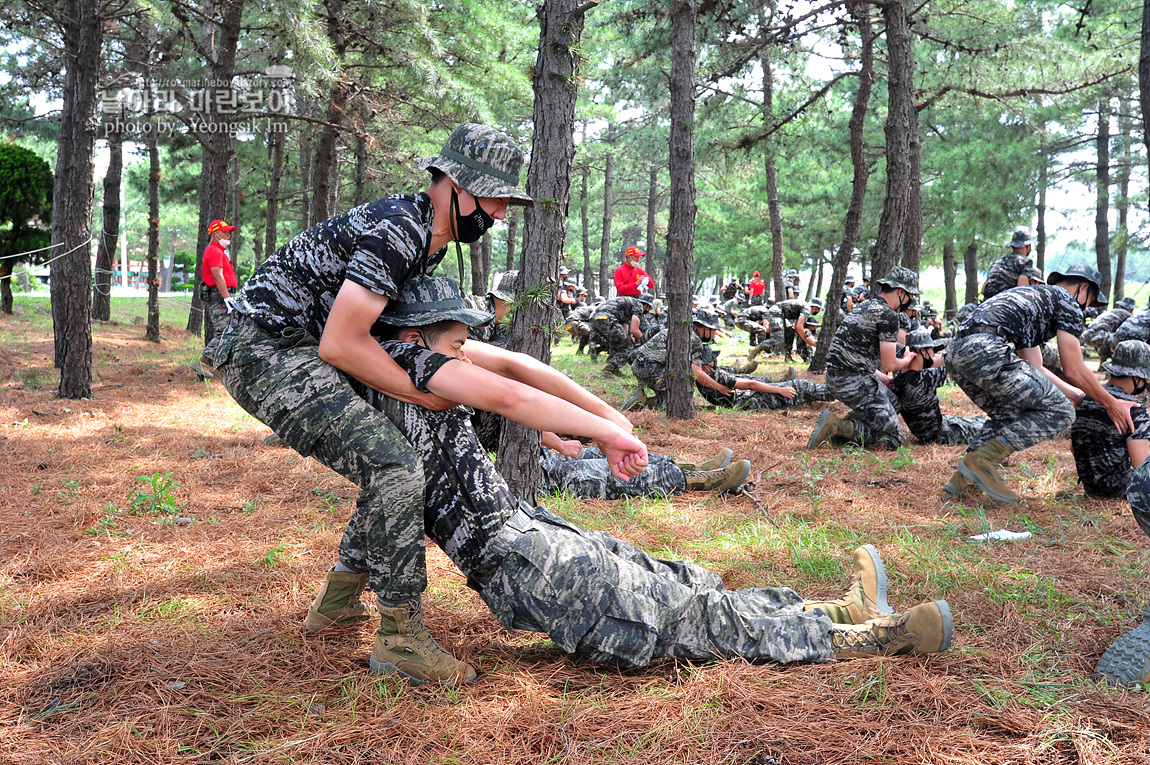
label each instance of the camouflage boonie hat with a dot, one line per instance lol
(901, 277)
(791, 273)
(816, 303)
(814, 321)
(1131, 359)
(1126, 302)
(707, 319)
(1019, 239)
(426, 300)
(1082, 271)
(504, 287)
(484, 161)
(646, 298)
(914, 306)
(920, 338)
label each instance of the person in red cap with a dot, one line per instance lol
(756, 288)
(217, 278)
(630, 279)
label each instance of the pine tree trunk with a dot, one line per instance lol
(215, 154)
(512, 236)
(360, 171)
(912, 242)
(1122, 235)
(153, 325)
(605, 273)
(276, 157)
(970, 266)
(305, 179)
(892, 227)
(73, 197)
(549, 182)
(774, 209)
(681, 229)
(479, 276)
(832, 313)
(1102, 185)
(950, 275)
(233, 215)
(110, 233)
(1144, 76)
(1040, 230)
(325, 149)
(652, 236)
(588, 275)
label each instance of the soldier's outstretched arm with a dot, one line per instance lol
(1070, 351)
(1033, 357)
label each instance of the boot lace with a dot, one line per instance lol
(422, 641)
(878, 637)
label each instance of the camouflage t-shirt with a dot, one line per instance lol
(755, 313)
(1100, 450)
(1137, 327)
(1110, 320)
(1004, 273)
(855, 344)
(790, 311)
(379, 245)
(1029, 315)
(917, 392)
(620, 309)
(654, 351)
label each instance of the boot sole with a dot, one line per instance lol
(1126, 662)
(816, 436)
(636, 400)
(947, 626)
(880, 603)
(975, 479)
(387, 668)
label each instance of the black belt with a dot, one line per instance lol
(986, 329)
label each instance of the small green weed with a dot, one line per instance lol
(271, 557)
(156, 497)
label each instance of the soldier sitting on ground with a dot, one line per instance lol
(916, 388)
(1105, 458)
(591, 593)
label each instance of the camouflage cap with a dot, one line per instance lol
(707, 319)
(1131, 359)
(816, 302)
(426, 300)
(484, 161)
(920, 338)
(1019, 239)
(646, 298)
(901, 277)
(914, 306)
(814, 321)
(1126, 303)
(1082, 271)
(504, 286)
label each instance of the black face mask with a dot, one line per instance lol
(902, 306)
(1139, 387)
(469, 228)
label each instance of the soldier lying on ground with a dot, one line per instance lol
(591, 593)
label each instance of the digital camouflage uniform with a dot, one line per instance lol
(591, 593)
(785, 313)
(806, 391)
(1004, 272)
(1024, 407)
(1100, 334)
(851, 363)
(268, 359)
(729, 309)
(1100, 452)
(1137, 327)
(611, 328)
(590, 477)
(1138, 494)
(917, 393)
(579, 324)
(751, 321)
(650, 363)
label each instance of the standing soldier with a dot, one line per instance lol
(847, 302)
(863, 343)
(995, 359)
(615, 325)
(791, 283)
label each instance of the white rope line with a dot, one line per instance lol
(31, 252)
(53, 260)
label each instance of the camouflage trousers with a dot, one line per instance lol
(610, 334)
(316, 410)
(755, 329)
(959, 430)
(874, 408)
(806, 391)
(1138, 494)
(606, 599)
(1024, 408)
(214, 307)
(590, 477)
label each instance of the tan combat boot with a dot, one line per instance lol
(791, 373)
(957, 484)
(746, 369)
(404, 647)
(981, 469)
(725, 480)
(719, 461)
(865, 599)
(753, 352)
(337, 603)
(637, 400)
(610, 370)
(926, 628)
(829, 426)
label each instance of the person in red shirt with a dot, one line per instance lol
(756, 287)
(217, 278)
(630, 279)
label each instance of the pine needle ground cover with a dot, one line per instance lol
(157, 560)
